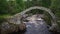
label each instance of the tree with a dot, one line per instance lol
(55, 6)
(3, 7)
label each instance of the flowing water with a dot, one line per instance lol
(36, 26)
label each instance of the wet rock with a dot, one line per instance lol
(7, 28)
(22, 26)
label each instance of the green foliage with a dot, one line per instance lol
(17, 7)
(3, 7)
(13, 7)
(45, 3)
(55, 6)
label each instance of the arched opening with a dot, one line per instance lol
(39, 8)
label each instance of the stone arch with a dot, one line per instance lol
(40, 8)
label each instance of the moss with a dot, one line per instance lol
(3, 18)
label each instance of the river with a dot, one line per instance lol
(36, 26)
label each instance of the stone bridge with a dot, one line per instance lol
(16, 19)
